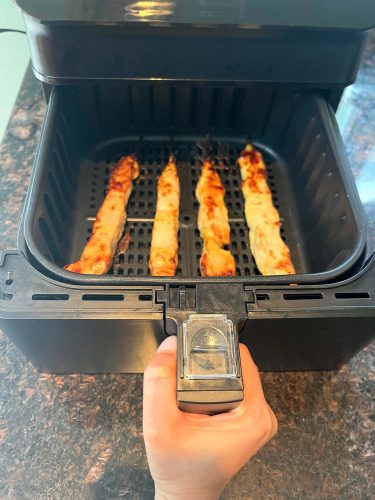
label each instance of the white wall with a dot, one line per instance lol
(14, 57)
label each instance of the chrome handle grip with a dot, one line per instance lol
(209, 376)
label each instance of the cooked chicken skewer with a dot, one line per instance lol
(110, 221)
(271, 254)
(213, 224)
(164, 243)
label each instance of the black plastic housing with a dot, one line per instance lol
(67, 328)
(69, 323)
(263, 71)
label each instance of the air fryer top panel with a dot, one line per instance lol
(335, 14)
(64, 51)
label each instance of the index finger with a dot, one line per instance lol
(253, 390)
(159, 387)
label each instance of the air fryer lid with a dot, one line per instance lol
(286, 41)
(348, 14)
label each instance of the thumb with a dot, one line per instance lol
(159, 387)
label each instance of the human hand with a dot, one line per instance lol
(195, 456)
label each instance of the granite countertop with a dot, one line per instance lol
(80, 436)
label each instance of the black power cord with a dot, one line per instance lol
(6, 30)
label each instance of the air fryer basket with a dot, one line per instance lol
(88, 128)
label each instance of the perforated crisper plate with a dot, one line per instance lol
(152, 156)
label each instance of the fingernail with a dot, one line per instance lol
(169, 344)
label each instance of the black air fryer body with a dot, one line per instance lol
(126, 78)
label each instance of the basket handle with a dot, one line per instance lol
(209, 378)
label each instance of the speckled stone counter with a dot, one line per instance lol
(80, 437)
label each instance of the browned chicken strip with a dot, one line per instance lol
(271, 254)
(213, 224)
(110, 221)
(164, 243)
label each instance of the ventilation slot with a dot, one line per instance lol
(262, 296)
(50, 296)
(145, 298)
(103, 298)
(52, 214)
(98, 107)
(131, 106)
(51, 245)
(213, 110)
(62, 148)
(302, 296)
(60, 201)
(151, 105)
(268, 114)
(193, 110)
(64, 131)
(172, 107)
(352, 295)
(61, 174)
(237, 104)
